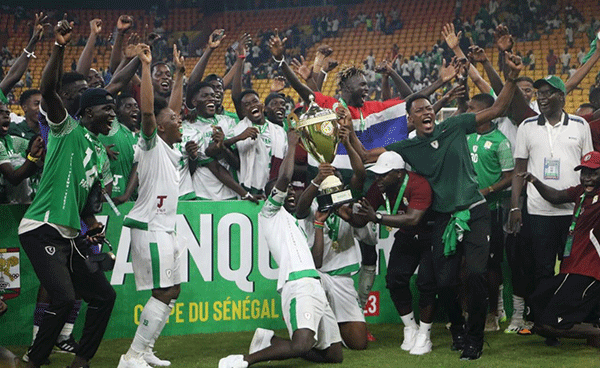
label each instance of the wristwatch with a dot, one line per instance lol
(379, 217)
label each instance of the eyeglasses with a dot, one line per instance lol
(543, 94)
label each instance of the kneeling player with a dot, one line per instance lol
(310, 321)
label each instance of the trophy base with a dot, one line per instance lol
(327, 201)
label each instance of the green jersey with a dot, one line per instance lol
(21, 130)
(13, 151)
(443, 159)
(75, 160)
(124, 141)
(491, 155)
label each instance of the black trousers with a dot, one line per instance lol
(61, 270)
(475, 248)
(408, 252)
(549, 235)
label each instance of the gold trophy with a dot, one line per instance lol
(318, 128)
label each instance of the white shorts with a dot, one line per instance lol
(156, 257)
(304, 305)
(342, 297)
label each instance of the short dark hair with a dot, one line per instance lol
(594, 94)
(249, 92)
(196, 87)
(413, 98)
(27, 94)
(484, 98)
(213, 77)
(524, 79)
(272, 96)
(122, 97)
(159, 105)
(70, 78)
(154, 65)
(347, 73)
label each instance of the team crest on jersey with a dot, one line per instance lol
(595, 199)
(50, 250)
(435, 144)
(307, 316)
(10, 273)
(487, 145)
(475, 149)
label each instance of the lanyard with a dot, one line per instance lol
(398, 198)
(362, 120)
(551, 135)
(333, 222)
(261, 128)
(569, 243)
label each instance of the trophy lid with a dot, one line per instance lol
(315, 114)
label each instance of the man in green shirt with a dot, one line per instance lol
(74, 165)
(30, 103)
(494, 164)
(440, 154)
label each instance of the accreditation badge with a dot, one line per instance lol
(551, 168)
(10, 273)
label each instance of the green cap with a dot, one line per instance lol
(551, 80)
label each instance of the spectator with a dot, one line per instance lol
(551, 60)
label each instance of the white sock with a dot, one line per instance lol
(150, 320)
(501, 298)
(162, 324)
(35, 331)
(518, 307)
(366, 278)
(409, 320)
(425, 328)
(66, 331)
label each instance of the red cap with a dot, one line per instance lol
(590, 160)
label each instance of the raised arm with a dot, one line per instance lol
(458, 91)
(147, 92)
(237, 68)
(359, 173)
(85, 59)
(123, 76)
(51, 102)
(310, 193)
(497, 109)
(176, 100)
(447, 73)
(277, 50)
(581, 72)
(124, 24)
(15, 73)
(214, 40)
(286, 170)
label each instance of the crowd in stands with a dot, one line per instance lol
(507, 173)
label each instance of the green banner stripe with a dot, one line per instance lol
(302, 274)
(293, 319)
(155, 259)
(131, 223)
(344, 270)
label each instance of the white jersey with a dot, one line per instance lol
(204, 183)
(341, 256)
(156, 205)
(256, 154)
(286, 239)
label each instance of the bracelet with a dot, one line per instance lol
(59, 45)
(315, 184)
(280, 62)
(319, 225)
(29, 54)
(514, 209)
(490, 189)
(248, 196)
(241, 56)
(32, 159)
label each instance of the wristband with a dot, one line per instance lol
(32, 159)
(315, 184)
(280, 62)
(241, 56)
(319, 225)
(514, 209)
(29, 54)
(59, 45)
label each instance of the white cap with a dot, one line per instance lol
(388, 161)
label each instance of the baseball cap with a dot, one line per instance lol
(94, 97)
(591, 160)
(387, 162)
(551, 80)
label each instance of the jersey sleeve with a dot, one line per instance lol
(466, 122)
(147, 143)
(273, 204)
(505, 157)
(421, 195)
(522, 147)
(4, 158)
(107, 177)
(62, 128)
